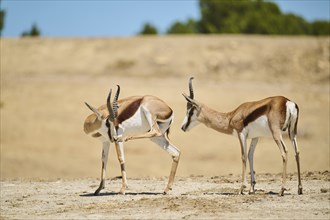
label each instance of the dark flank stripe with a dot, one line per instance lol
(255, 114)
(129, 111)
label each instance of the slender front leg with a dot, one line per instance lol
(152, 133)
(242, 140)
(105, 152)
(251, 152)
(154, 130)
(121, 159)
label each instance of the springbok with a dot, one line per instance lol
(268, 117)
(128, 119)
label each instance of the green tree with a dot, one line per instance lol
(245, 16)
(261, 18)
(2, 19)
(320, 28)
(254, 17)
(34, 32)
(148, 29)
(189, 27)
(220, 16)
(293, 25)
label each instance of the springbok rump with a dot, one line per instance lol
(128, 119)
(268, 117)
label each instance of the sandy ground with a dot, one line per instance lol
(194, 197)
(44, 83)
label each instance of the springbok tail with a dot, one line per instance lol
(293, 123)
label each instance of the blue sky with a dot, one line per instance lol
(110, 18)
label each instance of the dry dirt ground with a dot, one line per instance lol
(194, 197)
(45, 81)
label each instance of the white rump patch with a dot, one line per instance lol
(290, 110)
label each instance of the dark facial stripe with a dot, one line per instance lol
(189, 105)
(107, 123)
(190, 114)
(255, 114)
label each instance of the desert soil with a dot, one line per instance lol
(194, 197)
(49, 167)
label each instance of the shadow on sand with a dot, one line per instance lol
(117, 193)
(258, 192)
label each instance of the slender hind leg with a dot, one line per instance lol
(295, 146)
(251, 152)
(280, 143)
(174, 152)
(105, 152)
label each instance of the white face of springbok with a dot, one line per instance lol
(191, 119)
(101, 126)
(193, 110)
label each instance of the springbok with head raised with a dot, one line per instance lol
(128, 119)
(268, 117)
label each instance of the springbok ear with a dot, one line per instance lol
(97, 112)
(187, 98)
(192, 101)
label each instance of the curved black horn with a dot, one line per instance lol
(191, 91)
(111, 113)
(115, 102)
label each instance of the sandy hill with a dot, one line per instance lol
(227, 57)
(45, 81)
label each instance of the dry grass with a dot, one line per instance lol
(44, 83)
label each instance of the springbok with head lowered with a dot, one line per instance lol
(128, 119)
(268, 117)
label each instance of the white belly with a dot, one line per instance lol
(258, 128)
(135, 125)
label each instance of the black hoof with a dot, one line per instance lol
(97, 192)
(281, 193)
